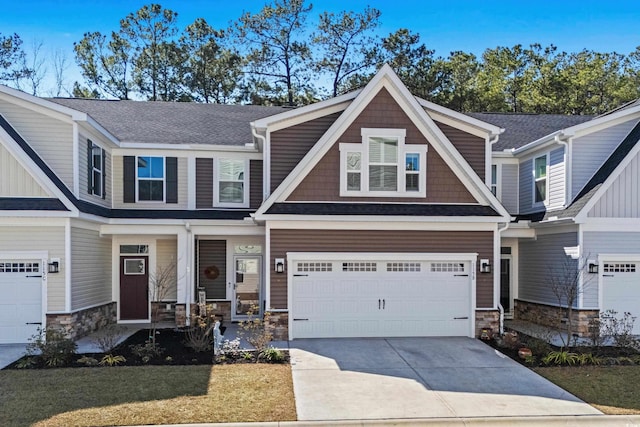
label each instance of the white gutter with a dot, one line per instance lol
(537, 142)
(266, 162)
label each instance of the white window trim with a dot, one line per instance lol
(94, 169)
(498, 184)
(363, 149)
(544, 202)
(163, 179)
(216, 185)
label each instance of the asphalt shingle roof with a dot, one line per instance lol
(31, 204)
(173, 122)
(521, 129)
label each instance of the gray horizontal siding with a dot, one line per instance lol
(556, 180)
(540, 260)
(622, 199)
(52, 139)
(590, 151)
(526, 186)
(90, 269)
(510, 188)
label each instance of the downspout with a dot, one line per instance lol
(500, 307)
(189, 285)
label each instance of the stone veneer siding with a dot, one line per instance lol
(222, 310)
(81, 323)
(487, 319)
(164, 311)
(554, 317)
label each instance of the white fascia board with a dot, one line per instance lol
(582, 215)
(126, 147)
(538, 143)
(97, 126)
(459, 117)
(302, 114)
(324, 224)
(504, 157)
(518, 233)
(42, 105)
(38, 174)
(229, 229)
(602, 122)
(555, 228)
(379, 221)
(386, 78)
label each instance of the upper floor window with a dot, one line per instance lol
(540, 182)
(494, 179)
(383, 166)
(231, 186)
(151, 178)
(96, 169)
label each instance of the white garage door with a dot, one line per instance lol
(20, 300)
(332, 298)
(621, 289)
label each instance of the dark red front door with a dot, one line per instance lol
(134, 288)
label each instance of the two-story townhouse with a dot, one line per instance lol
(572, 183)
(365, 215)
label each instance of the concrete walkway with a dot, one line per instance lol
(416, 378)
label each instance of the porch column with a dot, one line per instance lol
(183, 267)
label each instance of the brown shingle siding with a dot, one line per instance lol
(283, 241)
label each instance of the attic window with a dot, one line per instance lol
(383, 166)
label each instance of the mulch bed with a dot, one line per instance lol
(174, 352)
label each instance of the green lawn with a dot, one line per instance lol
(146, 395)
(611, 389)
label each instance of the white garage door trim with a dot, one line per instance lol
(42, 257)
(617, 265)
(471, 258)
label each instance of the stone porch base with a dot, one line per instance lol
(554, 317)
(81, 323)
(221, 309)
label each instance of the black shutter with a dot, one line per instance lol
(172, 180)
(89, 166)
(104, 174)
(129, 183)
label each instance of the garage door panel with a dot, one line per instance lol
(20, 300)
(621, 289)
(406, 299)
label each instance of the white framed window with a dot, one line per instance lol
(383, 166)
(96, 162)
(494, 180)
(231, 183)
(150, 178)
(540, 179)
(134, 267)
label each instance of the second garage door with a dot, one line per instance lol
(381, 298)
(20, 300)
(621, 289)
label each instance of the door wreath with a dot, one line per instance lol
(212, 272)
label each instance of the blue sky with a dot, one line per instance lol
(470, 26)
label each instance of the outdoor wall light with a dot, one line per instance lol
(54, 266)
(593, 267)
(279, 265)
(485, 266)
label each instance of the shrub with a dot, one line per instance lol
(88, 361)
(53, 346)
(200, 333)
(111, 360)
(108, 337)
(619, 329)
(26, 362)
(272, 355)
(147, 351)
(231, 349)
(588, 359)
(256, 331)
(561, 357)
(538, 346)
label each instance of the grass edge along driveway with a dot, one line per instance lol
(611, 389)
(146, 395)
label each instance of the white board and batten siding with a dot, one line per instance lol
(543, 257)
(118, 184)
(622, 198)
(166, 256)
(590, 151)
(91, 269)
(16, 181)
(51, 138)
(38, 239)
(510, 188)
(82, 173)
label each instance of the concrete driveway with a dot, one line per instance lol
(9, 353)
(348, 379)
